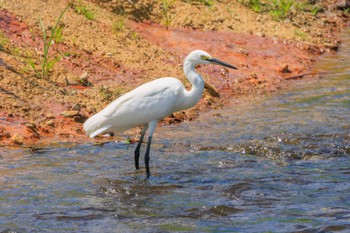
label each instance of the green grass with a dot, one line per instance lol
(208, 3)
(133, 35)
(166, 6)
(106, 93)
(280, 9)
(119, 25)
(58, 36)
(81, 9)
(47, 62)
(3, 40)
(300, 33)
(256, 5)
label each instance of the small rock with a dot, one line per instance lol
(84, 76)
(16, 104)
(211, 90)
(84, 79)
(17, 138)
(78, 118)
(76, 107)
(253, 76)
(51, 123)
(331, 46)
(285, 69)
(31, 126)
(70, 113)
(50, 116)
(4, 133)
(260, 34)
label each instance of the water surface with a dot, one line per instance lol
(279, 164)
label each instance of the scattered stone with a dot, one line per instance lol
(31, 126)
(50, 116)
(4, 133)
(17, 138)
(211, 90)
(245, 52)
(260, 34)
(70, 113)
(16, 104)
(51, 123)
(78, 118)
(84, 79)
(76, 107)
(253, 76)
(285, 69)
(331, 46)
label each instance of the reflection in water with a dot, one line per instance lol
(279, 165)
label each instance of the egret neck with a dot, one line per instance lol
(197, 82)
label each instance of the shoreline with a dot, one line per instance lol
(51, 111)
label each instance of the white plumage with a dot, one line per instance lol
(150, 102)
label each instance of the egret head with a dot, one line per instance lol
(201, 57)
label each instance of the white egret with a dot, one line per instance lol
(151, 102)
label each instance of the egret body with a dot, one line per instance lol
(151, 102)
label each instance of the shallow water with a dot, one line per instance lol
(280, 164)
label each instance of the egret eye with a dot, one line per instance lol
(205, 57)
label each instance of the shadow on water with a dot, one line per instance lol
(280, 164)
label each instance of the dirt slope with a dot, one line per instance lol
(123, 45)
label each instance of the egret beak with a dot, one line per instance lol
(216, 61)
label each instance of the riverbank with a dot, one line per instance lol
(105, 49)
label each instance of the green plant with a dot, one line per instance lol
(315, 10)
(280, 8)
(119, 25)
(105, 93)
(166, 5)
(133, 35)
(46, 62)
(83, 10)
(255, 5)
(3, 40)
(300, 33)
(58, 36)
(209, 3)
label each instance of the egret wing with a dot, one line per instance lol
(149, 102)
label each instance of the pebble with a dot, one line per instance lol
(285, 69)
(84, 79)
(17, 138)
(51, 123)
(69, 113)
(260, 34)
(331, 46)
(31, 126)
(76, 107)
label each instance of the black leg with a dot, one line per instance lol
(148, 173)
(137, 154)
(137, 150)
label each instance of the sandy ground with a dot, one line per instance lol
(127, 43)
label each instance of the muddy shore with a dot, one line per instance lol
(124, 45)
